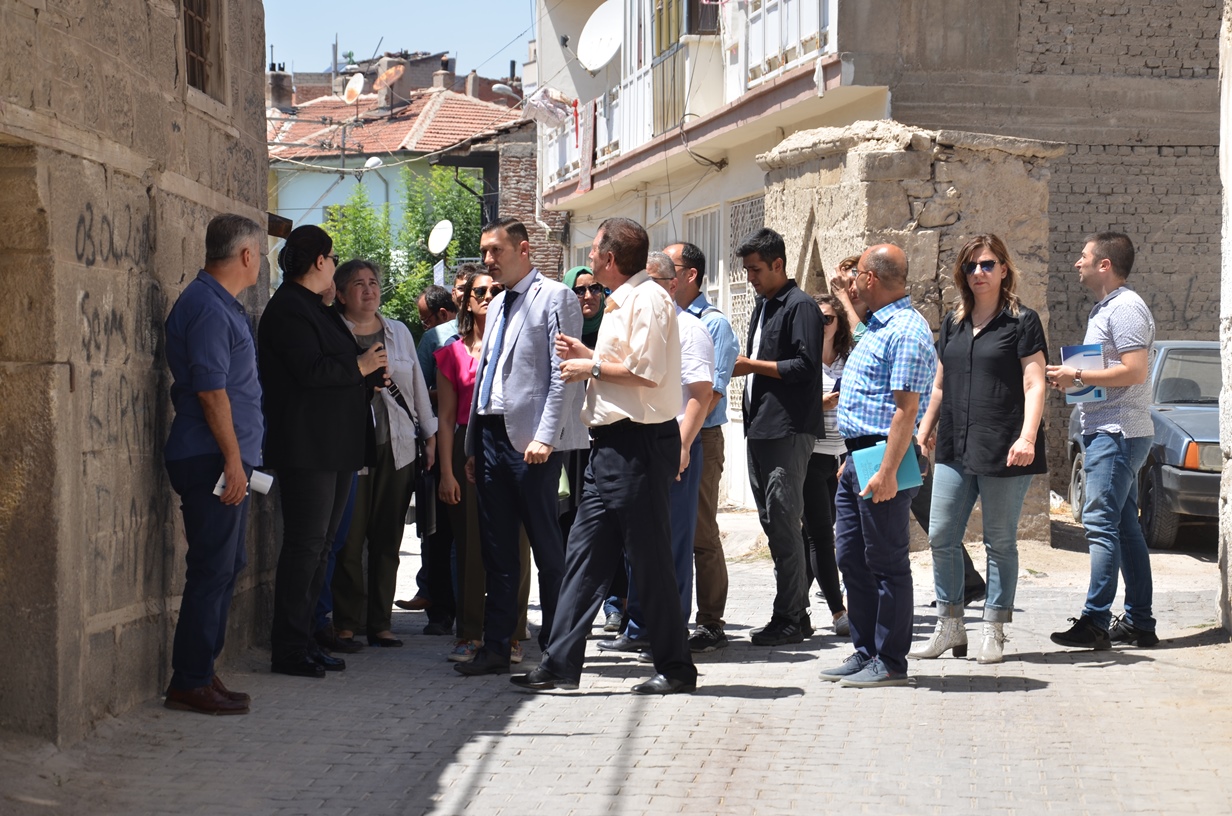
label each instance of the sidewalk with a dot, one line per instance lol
(1049, 730)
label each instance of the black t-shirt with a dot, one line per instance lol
(982, 401)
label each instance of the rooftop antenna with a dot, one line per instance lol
(601, 37)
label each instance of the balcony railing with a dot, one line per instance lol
(779, 35)
(783, 34)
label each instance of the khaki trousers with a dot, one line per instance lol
(708, 562)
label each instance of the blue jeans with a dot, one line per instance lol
(872, 542)
(1110, 516)
(683, 503)
(954, 495)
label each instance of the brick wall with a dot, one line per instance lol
(1168, 199)
(1146, 38)
(518, 199)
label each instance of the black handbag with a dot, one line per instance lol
(425, 479)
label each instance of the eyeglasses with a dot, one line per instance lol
(826, 319)
(481, 292)
(333, 258)
(984, 266)
(595, 289)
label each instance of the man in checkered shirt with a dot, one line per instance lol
(884, 392)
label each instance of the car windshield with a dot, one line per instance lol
(1189, 376)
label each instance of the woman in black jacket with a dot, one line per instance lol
(317, 386)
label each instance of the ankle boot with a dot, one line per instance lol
(992, 639)
(949, 634)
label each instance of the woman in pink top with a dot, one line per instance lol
(457, 364)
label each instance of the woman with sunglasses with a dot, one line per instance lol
(821, 478)
(456, 366)
(383, 493)
(986, 424)
(317, 385)
(592, 296)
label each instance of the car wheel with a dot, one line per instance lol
(1077, 487)
(1158, 520)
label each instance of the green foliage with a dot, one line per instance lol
(361, 230)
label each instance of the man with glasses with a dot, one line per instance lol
(887, 384)
(523, 417)
(782, 419)
(710, 566)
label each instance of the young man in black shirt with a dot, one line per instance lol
(782, 418)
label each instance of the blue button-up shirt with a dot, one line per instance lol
(895, 354)
(210, 347)
(726, 349)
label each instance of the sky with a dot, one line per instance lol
(480, 34)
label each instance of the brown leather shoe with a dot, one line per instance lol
(235, 696)
(203, 700)
(416, 604)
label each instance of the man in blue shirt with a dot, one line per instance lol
(887, 383)
(710, 566)
(218, 431)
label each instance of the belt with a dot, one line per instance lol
(862, 442)
(625, 426)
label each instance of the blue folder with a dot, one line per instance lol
(868, 462)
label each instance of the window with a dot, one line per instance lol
(702, 230)
(203, 46)
(703, 17)
(667, 24)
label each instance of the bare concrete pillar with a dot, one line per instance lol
(832, 192)
(1225, 317)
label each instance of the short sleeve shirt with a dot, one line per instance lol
(895, 354)
(1119, 323)
(210, 347)
(455, 363)
(696, 355)
(983, 399)
(434, 338)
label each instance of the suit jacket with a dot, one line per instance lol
(539, 405)
(316, 402)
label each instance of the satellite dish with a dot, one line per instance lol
(388, 77)
(504, 90)
(601, 36)
(353, 89)
(373, 163)
(439, 238)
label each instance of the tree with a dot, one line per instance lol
(361, 230)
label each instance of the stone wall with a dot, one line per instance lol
(111, 168)
(1130, 87)
(1224, 610)
(832, 192)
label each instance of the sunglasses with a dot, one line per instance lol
(594, 289)
(826, 319)
(333, 258)
(984, 266)
(480, 292)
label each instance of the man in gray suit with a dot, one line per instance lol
(523, 417)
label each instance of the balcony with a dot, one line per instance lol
(777, 36)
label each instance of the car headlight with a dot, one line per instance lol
(1203, 456)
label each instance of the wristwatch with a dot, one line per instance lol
(596, 371)
(1078, 378)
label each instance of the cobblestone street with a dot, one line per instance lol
(1049, 730)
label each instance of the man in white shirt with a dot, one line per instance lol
(696, 382)
(631, 406)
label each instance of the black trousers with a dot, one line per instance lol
(624, 509)
(820, 487)
(509, 491)
(312, 505)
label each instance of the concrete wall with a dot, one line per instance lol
(111, 168)
(833, 191)
(1130, 87)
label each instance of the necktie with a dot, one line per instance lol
(493, 363)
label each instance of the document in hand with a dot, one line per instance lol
(868, 461)
(1083, 358)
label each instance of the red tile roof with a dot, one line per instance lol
(433, 119)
